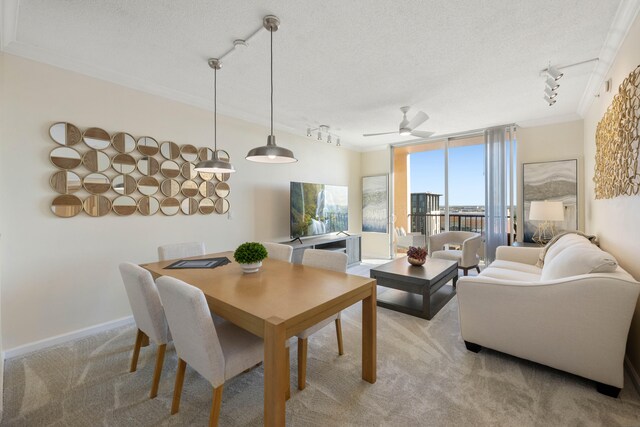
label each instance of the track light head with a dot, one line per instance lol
(552, 84)
(554, 73)
(550, 101)
(551, 94)
(309, 132)
(319, 136)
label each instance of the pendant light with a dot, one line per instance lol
(215, 165)
(271, 153)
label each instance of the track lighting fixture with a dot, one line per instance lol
(323, 131)
(550, 101)
(551, 94)
(552, 84)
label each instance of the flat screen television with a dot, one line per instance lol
(318, 209)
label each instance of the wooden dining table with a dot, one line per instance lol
(276, 303)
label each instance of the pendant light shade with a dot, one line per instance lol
(271, 153)
(215, 165)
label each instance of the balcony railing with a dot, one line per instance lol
(433, 223)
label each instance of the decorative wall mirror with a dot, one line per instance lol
(97, 205)
(148, 166)
(222, 177)
(148, 146)
(65, 182)
(96, 138)
(66, 206)
(206, 206)
(170, 187)
(65, 158)
(205, 153)
(65, 133)
(207, 189)
(222, 189)
(189, 206)
(189, 153)
(123, 142)
(148, 205)
(96, 183)
(170, 150)
(170, 169)
(170, 206)
(96, 161)
(189, 188)
(223, 155)
(123, 163)
(124, 205)
(222, 206)
(124, 184)
(188, 170)
(148, 185)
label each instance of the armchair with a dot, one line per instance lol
(404, 240)
(467, 257)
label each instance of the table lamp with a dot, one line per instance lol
(547, 212)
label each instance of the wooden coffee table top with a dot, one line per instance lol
(432, 270)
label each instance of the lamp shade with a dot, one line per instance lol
(546, 211)
(271, 153)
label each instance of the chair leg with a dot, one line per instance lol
(177, 390)
(478, 269)
(339, 334)
(287, 366)
(158, 371)
(215, 406)
(136, 351)
(145, 340)
(302, 363)
(466, 271)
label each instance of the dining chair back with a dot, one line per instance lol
(279, 251)
(181, 250)
(148, 314)
(328, 260)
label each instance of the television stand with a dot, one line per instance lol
(349, 244)
(343, 232)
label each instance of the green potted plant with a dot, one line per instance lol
(250, 255)
(416, 255)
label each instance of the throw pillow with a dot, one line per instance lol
(578, 259)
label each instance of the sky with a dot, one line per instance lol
(466, 174)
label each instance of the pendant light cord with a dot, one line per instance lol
(215, 111)
(271, 33)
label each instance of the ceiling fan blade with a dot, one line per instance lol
(418, 119)
(376, 134)
(421, 133)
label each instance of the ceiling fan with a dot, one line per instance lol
(407, 127)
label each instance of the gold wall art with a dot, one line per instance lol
(618, 143)
(98, 173)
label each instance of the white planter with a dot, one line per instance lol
(251, 268)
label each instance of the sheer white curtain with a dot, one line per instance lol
(499, 145)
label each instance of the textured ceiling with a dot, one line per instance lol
(347, 64)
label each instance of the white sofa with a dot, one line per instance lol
(572, 314)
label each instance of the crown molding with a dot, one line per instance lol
(622, 22)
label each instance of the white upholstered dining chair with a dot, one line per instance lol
(181, 250)
(217, 352)
(279, 251)
(148, 314)
(336, 261)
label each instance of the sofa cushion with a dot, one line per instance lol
(517, 266)
(452, 255)
(564, 242)
(578, 259)
(512, 275)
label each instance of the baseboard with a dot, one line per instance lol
(69, 336)
(635, 378)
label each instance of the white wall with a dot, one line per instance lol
(2, 123)
(615, 221)
(561, 141)
(376, 245)
(60, 275)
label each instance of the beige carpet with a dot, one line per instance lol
(425, 377)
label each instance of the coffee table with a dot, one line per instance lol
(418, 291)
